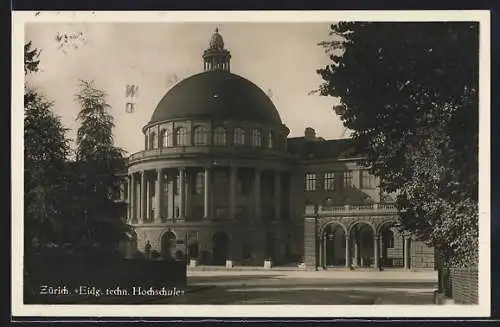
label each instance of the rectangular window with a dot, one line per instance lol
(347, 179)
(311, 182)
(329, 181)
(366, 179)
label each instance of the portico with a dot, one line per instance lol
(360, 237)
(197, 193)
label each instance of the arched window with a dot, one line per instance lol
(200, 135)
(181, 136)
(256, 139)
(152, 140)
(146, 144)
(239, 136)
(220, 136)
(164, 138)
(270, 140)
(168, 139)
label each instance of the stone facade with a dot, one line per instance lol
(226, 184)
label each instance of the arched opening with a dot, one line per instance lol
(168, 245)
(333, 238)
(391, 246)
(220, 248)
(362, 248)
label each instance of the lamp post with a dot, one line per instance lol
(316, 248)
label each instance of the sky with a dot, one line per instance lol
(281, 57)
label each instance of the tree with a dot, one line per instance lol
(30, 58)
(97, 163)
(409, 93)
(46, 148)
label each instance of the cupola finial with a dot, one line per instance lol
(216, 57)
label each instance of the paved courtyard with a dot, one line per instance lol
(308, 287)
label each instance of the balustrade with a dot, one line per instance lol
(352, 209)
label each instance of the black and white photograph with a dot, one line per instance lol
(307, 164)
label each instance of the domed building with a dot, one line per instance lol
(212, 177)
(220, 179)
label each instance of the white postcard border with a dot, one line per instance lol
(19, 19)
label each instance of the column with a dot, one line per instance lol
(323, 245)
(148, 199)
(187, 192)
(170, 195)
(356, 252)
(375, 252)
(133, 197)
(347, 253)
(319, 243)
(406, 252)
(206, 193)
(143, 214)
(232, 192)
(277, 195)
(158, 193)
(181, 192)
(129, 198)
(257, 196)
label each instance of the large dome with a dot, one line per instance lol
(216, 95)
